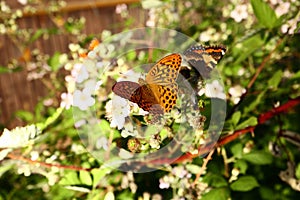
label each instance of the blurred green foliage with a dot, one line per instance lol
(260, 72)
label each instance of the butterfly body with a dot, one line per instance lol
(156, 94)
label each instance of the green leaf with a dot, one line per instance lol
(275, 80)
(242, 165)
(5, 168)
(258, 157)
(85, 178)
(297, 173)
(216, 194)
(70, 178)
(37, 35)
(236, 118)
(256, 101)
(78, 188)
(244, 183)
(215, 180)
(264, 13)
(4, 69)
(98, 174)
(194, 169)
(109, 196)
(252, 121)
(247, 47)
(237, 150)
(53, 61)
(24, 115)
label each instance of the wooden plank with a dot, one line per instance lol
(80, 5)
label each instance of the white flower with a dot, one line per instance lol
(236, 92)
(130, 75)
(66, 100)
(179, 172)
(125, 154)
(23, 2)
(102, 142)
(90, 86)
(239, 13)
(290, 26)
(215, 90)
(79, 72)
(80, 123)
(70, 83)
(128, 131)
(282, 9)
(74, 47)
(121, 8)
(164, 183)
(152, 18)
(83, 99)
(117, 110)
(206, 36)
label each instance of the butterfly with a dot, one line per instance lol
(204, 58)
(157, 94)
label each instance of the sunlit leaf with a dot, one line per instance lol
(109, 196)
(264, 13)
(85, 178)
(98, 174)
(70, 178)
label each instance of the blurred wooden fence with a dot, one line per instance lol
(16, 92)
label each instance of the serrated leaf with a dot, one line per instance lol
(258, 157)
(216, 194)
(264, 13)
(244, 183)
(85, 178)
(275, 80)
(252, 121)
